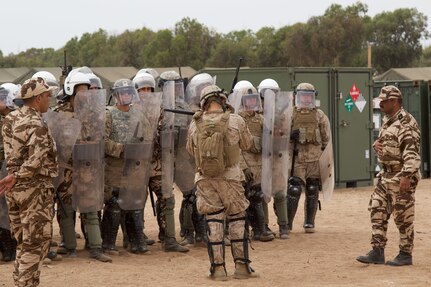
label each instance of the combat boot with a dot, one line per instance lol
(219, 274)
(266, 235)
(375, 256)
(188, 239)
(403, 258)
(171, 245)
(148, 241)
(244, 271)
(97, 253)
(284, 231)
(9, 247)
(256, 233)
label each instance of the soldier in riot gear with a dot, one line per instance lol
(310, 135)
(86, 198)
(161, 178)
(251, 161)
(215, 139)
(128, 147)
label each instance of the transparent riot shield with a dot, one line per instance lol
(138, 152)
(88, 152)
(234, 99)
(64, 129)
(4, 213)
(327, 174)
(275, 148)
(167, 140)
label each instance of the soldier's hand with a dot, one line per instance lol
(378, 147)
(248, 174)
(294, 135)
(404, 184)
(7, 183)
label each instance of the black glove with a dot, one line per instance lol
(294, 135)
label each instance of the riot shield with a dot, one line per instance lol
(4, 213)
(167, 139)
(138, 152)
(63, 128)
(234, 99)
(327, 174)
(88, 152)
(275, 142)
(194, 89)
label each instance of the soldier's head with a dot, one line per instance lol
(96, 83)
(36, 93)
(124, 92)
(391, 99)
(305, 96)
(76, 82)
(144, 83)
(267, 84)
(196, 85)
(8, 93)
(212, 94)
(150, 71)
(250, 100)
(169, 76)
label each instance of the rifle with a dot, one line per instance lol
(235, 79)
(294, 180)
(65, 70)
(179, 112)
(60, 202)
(153, 205)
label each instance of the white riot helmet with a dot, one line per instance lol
(124, 92)
(150, 71)
(268, 84)
(169, 76)
(49, 78)
(250, 100)
(144, 80)
(8, 93)
(74, 79)
(196, 85)
(242, 84)
(96, 83)
(305, 96)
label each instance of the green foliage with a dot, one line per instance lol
(339, 37)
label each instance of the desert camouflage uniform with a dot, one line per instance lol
(223, 195)
(31, 156)
(400, 136)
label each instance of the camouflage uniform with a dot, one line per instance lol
(224, 194)
(31, 157)
(314, 134)
(400, 136)
(117, 135)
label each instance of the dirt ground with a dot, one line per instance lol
(325, 258)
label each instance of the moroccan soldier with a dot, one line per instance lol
(215, 140)
(310, 134)
(72, 195)
(397, 149)
(161, 178)
(8, 92)
(251, 162)
(31, 157)
(128, 148)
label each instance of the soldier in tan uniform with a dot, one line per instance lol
(397, 149)
(311, 132)
(31, 164)
(215, 140)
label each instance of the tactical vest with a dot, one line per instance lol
(213, 154)
(307, 123)
(120, 126)
(254, 123)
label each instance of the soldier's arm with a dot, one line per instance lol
(112, 148)
(325, 130)
(409, 139)
(245, 137)
(190, 134)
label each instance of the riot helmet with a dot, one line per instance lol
(196, 85)
(73, 80)
(267, 84)
(150, 71)
(8, 93)
(169, 76)
(144, 80)
(305, 96)
(212, 93)
(250, 100)
(124, 92)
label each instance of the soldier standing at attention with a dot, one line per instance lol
(397, 149)
(215, 139)
(31, 164)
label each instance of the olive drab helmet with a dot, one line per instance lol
(8, 93)
(305, 96)
(212, 91)
(144, 80)
(74, 79)
(124, 92)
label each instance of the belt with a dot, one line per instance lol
(392, 168)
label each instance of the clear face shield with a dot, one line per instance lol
(125, 95)
(3, 96)
(305, 99)
(96, 84)
(251, 103)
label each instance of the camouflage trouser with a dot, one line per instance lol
(155, 185)
(31, 213)
(387, 199)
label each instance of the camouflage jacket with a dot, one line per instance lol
(1, 140)
(400, 136)
(29, 147)
(237, 133)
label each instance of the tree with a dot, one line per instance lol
(396, 36)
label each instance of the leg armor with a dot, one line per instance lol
(186, 218)
(170, 244)
(238, 231)
(135, 231)
(215, 233)
(281, 211)
(311, 203)
(110, 224)
(293, 195)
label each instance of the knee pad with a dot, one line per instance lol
(312, 186)
(279, 197)
(294, 190)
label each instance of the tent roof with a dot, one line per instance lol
(13, 75)
(397, 74)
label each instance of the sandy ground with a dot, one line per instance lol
(325, 258)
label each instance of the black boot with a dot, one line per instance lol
(403, 258)
(110, 225)
(311, 203)
(200, 227)
(376, 256)
(293, 195)
(265, 233)
(9, 245)
(135, 231)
